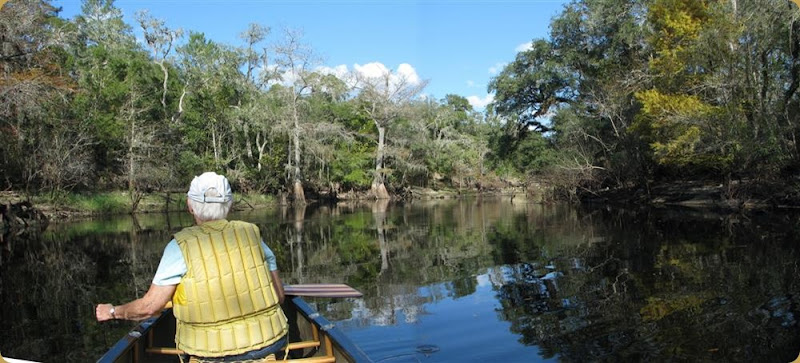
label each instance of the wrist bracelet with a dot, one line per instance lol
(112, 311)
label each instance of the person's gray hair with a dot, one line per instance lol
(210, 211)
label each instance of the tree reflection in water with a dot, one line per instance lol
(658, 287)
(579, 284)
(51, 280)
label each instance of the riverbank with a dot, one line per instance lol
(737, 196)
(78, 206)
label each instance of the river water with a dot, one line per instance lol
(454, 280)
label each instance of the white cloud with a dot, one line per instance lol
(377, 70)
(496, 68)
(271, 71)
(339, 71)
(480, 103)
(405, 73)
(470, 83)
(371, 70)
(523, 47)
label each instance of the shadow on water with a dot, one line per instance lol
(454, 280)
(50, 281)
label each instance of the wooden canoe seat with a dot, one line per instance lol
(318, 349)
(271, 358)
(313, 344)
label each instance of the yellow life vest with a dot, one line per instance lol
(225, 304)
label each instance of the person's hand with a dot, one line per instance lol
(103, 312)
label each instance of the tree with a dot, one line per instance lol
(577, 88)
(251, 87)
(327, 104)
(43, 144)
(300, 87)
(212, 74)
(352, 161)
(294, 62)
(671, 118)
(118, 76)
(161, 40)
(385, 97)
(533, 85)
(449, 138)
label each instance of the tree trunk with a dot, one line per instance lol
(177, 116)
(261, 146)
(214, 143)
(289, 168)
(299, 194)
(164, 85)
(131, 158)
(379, 191)
(248, 145)
(378, 185)
(794, 62)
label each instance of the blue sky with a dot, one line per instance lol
(456, 45)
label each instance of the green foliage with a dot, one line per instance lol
(576, 87)
(351, 165)
(149, 119)
(352, 161)
(516, 152)
(673, 124)
(621, 92)
(676, 25)
(533, 84)
(245, 200)
(629, 91)
(657, 308)
(190, 164)
(103, 203)
(359, 247)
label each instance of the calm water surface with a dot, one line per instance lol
(473, 280)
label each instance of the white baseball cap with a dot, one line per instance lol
(210, 182)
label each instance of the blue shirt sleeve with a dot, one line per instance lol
(269, 256)
(172, 266)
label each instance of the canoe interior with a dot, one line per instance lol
(310, 336)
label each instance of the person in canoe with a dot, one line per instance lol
(223, 282)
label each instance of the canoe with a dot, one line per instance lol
(12, 360)
(312, 338)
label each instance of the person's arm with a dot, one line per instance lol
(278, 285)
(168, 275)
(269, 258)
(149, 305)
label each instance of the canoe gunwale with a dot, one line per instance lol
(338, 338)
(130, 339)
(130, 348)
